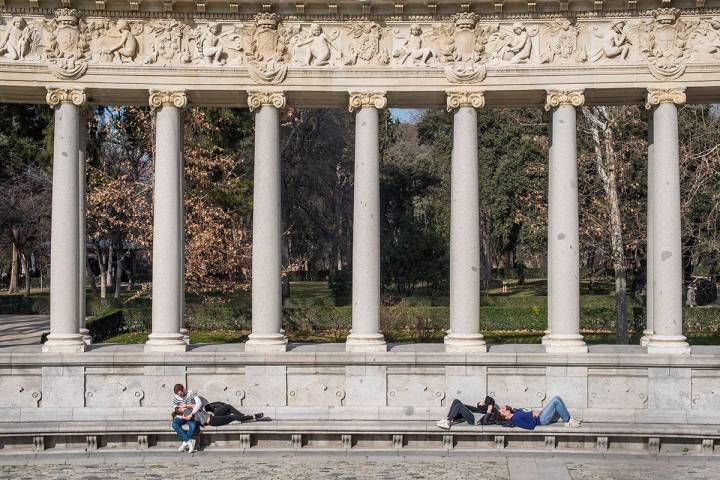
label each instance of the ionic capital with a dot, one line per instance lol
(555, 98)
(173, 98)
(264, 98)
(367, 99)
(656, 96)
(56, 96)
(465, 98)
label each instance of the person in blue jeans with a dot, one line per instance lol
(187, 402)
(529, 419)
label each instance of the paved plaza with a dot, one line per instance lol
(22, 329)
(472, 466)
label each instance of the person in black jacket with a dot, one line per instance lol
(485, 413)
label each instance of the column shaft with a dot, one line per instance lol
(649, 268)
(563, 236)
(267, 235)
(168, 233)
(65, 228)
(464, 236)
(366, 334)
(666, 243)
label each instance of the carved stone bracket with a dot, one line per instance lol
(457, 99)
(161, 98)
(263, 98)
(56, 96)
(656, 96)
(555, 98)
(367, 99)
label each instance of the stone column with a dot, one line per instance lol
(267, 332)
(168, 224)
(563, 235)
(464, 333)
(365, 334)
(649, 269)
(82, 225)
(666, 231)
(64, 236)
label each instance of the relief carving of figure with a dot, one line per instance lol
(209, 45)
(319, 46)
(364, 46)
(516, 44)
(663, 42)
(67, 45)
(562, 42)
(412, 48)
(18, 41)
(168, 43)
(615, 42)
(124, 46)
(706, 39)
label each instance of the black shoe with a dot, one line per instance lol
(258, 416)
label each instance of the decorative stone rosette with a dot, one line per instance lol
(56, 96)
(656, 96)
(367, 99)
(555, 98)
(457, 99)
(261, 98)
(175, 98)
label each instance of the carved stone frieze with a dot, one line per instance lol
(56, 96)
(465, 47)
(656, 96)
(160, 98)
(555, 98)
(465, 98)
(261, 98)
(367, 99)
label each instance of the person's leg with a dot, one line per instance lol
(220, 420)
(177, 424)
(192, 427)
(454, 412)
(222, 409)
(234, 411)
(465, 413)
(555, 407)
(241, 417)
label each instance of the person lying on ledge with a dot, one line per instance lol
(485, 413)
(529, 419)
(217, 414)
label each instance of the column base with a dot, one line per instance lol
(564, 343)
(465, 342)
(266, 342)
(64, 343)
(185, 335)
(645, 339)
(165, 342)
(668, 344)
(545, 337)
(85, 334)
(365, 342)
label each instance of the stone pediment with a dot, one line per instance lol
(101, 50)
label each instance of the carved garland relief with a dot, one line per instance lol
(464, 46)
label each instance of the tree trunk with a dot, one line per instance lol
(606, 161)
(26, 268)
(91, 277)
(14, 269)
(103, 276)
(108, 269)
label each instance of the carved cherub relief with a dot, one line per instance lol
(209, 44)
(19, 41)
(115, 44)
(514, 45)
(317, 47)
(413, 49)
(615, 42)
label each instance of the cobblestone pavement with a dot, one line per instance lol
(473, 466)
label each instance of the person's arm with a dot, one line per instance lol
(197, 403)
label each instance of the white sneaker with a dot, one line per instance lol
(183, 446)
(573, 423)
(191, 446)
(444, 424)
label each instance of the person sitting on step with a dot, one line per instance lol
(528, 419)
(188, 403)
(485, 413)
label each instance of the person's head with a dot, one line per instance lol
(316, 29)
(174, 413)
(505, 412)
(415, 30)
(517, 28)
(179, 390)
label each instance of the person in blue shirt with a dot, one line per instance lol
(529, 419)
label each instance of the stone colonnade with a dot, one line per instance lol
(664, 332)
